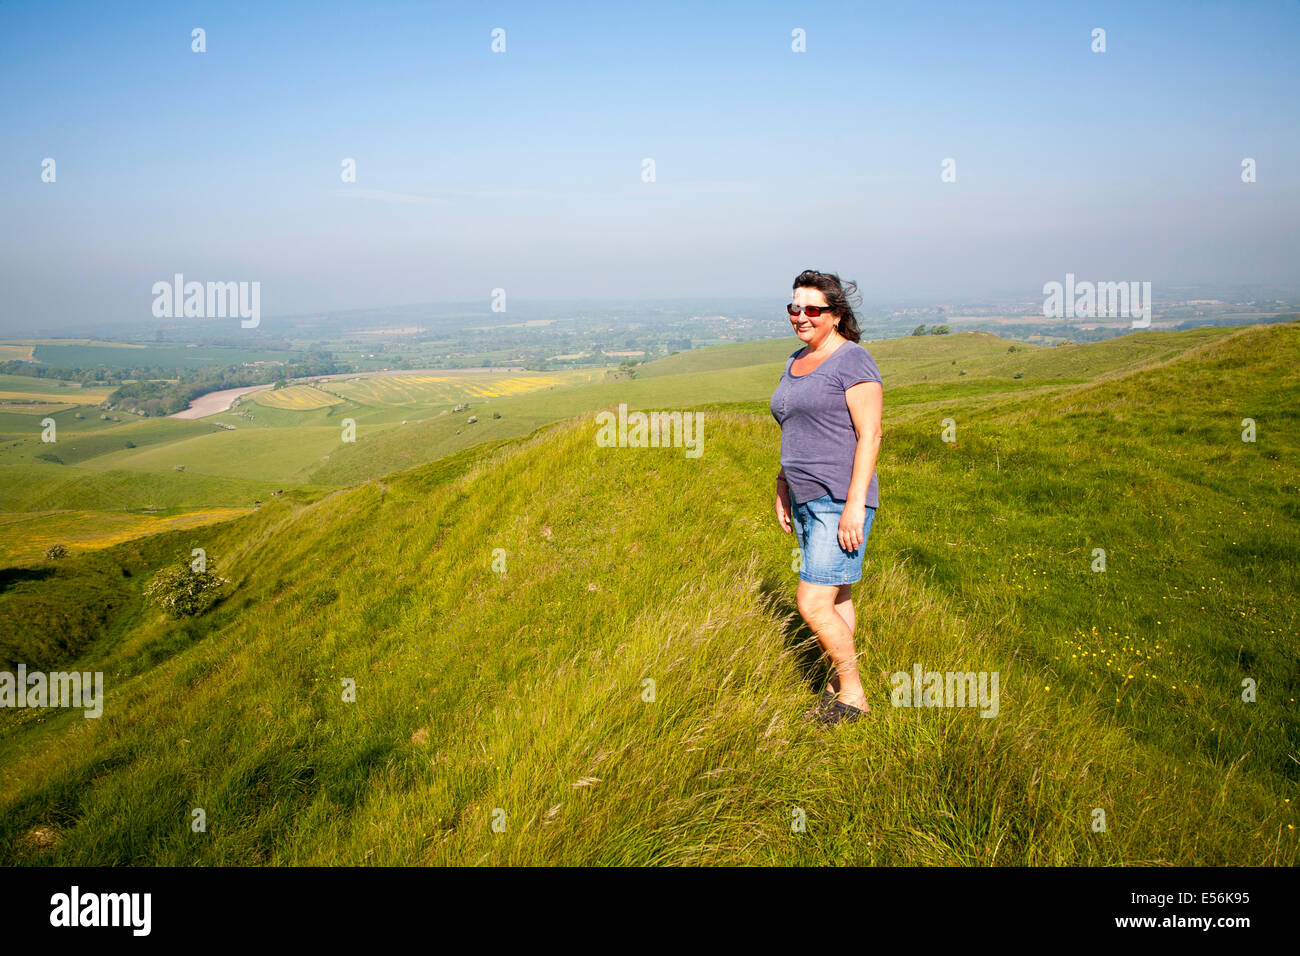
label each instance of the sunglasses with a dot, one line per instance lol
(812, 311)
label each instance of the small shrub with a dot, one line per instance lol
(181, 591)
(55, 551)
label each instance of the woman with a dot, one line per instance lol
(828, 404)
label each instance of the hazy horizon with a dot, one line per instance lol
(522, 170)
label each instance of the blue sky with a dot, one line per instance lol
(522, 170)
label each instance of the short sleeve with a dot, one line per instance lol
(858, 366)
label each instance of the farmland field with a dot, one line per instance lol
(120, 355)
(409, 391)
(294, 398)
(44, 389)
(15, 353)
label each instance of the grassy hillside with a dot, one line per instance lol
(520, 695)
(42, 487)
(26, 537)
(80, 440)
(763, 352)
(46, 504)
(911, 360)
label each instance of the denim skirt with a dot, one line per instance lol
(817, 526)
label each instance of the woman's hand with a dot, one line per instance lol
(783, 505)
(852, 519)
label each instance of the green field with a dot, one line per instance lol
(26, 387)
(517, 693)
(116, 355)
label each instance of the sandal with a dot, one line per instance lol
(817, 711)
(840, 712)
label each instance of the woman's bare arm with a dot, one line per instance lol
(866, 402)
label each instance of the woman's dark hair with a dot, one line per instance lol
(837, 298)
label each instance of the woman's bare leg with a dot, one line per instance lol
(844, 608)
(817, 605)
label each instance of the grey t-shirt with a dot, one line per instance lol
(818, 441)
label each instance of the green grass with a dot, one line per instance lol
(266, 454)
(763, 352)
(481, 693)
(56, 389)
(77, 441)
(47, 487)
(26, 537)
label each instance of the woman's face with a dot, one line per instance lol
(812, 331)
